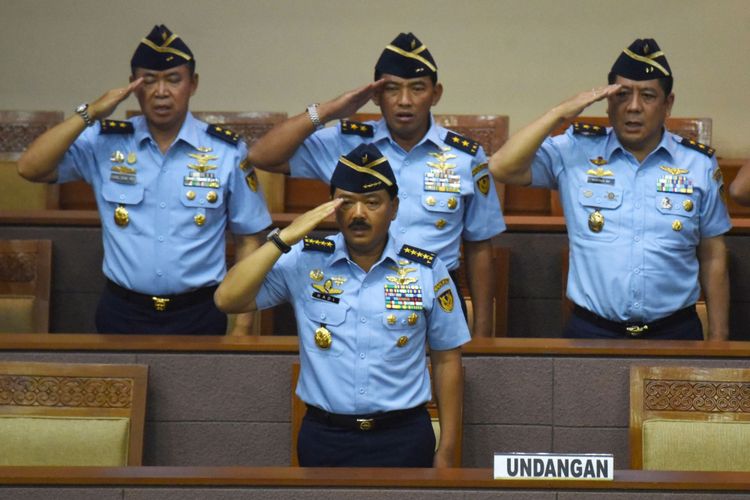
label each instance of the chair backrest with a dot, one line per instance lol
(17, 130)
(25, 269)
(689, 418)
(250, 125)
(501, 271)
(491, 131)
(58, 414)
(299, 408)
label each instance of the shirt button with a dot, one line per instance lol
(637, 270)
(637, 238)
(122, 196)
(406, 162)
(403, 229)
(361, 390)
(202, 202)
(362, 355)
(322, 315)
(163, 205)
(159, 272)
(363, 319)
(636, 304)
(161, 238)
(637, 205)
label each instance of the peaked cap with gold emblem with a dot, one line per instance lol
(161, 50)
(642, 60)
(406, 57)
(364, 170)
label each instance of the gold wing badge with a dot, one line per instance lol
(402, 279)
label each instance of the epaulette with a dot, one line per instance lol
(318, 245)
(701, 148)
(116, 127)
(588, 129)
(463, 143)
(224, 134)
(415, 254)
(357, 128)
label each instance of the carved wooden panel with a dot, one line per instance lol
(703, 396)
(71, 392)
(19, 128)
(18, 267)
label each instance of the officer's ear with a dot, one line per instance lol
(394, 201)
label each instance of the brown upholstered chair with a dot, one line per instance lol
(17, 130)
(56, 414)
(689, 418)
(25, 267)
(491, 131)
(299, 408)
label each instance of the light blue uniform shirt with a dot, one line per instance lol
(364, 370)
(162, 250)
(433, 220)
(642, 265)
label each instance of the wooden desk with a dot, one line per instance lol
(167, 482)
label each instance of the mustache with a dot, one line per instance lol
(359, 224)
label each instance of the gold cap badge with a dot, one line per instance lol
(122, 218)
(323, 337)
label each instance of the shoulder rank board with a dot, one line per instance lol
(318, 245)
(356, 128)
(464, 144)
(588, 129)
(701, 148)
(415, 254)
(224, 134)
(116, 127)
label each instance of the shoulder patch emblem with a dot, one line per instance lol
(589, 130)
(318, 245)
(418, 255)
(483, 184)
(224, 134)
(116, 127)
(463, 143)
(701, 148)
(349, 127)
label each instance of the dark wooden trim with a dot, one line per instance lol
(361, 477)
(288, 344)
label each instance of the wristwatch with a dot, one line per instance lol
(312, 112)
(83, 112)
(276, 239)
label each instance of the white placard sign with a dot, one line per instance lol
(597, 467)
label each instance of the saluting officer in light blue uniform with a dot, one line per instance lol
(446, 193)
(167, 186)
(643, 206)
(366, 308)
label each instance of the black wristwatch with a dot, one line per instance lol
(276, 239)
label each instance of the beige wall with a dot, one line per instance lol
(514, 57)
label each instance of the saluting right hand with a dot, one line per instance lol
(349, 103)
(106, 104)
(305, 223)
(574, 106)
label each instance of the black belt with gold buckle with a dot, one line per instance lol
(634, 329)
(363, 422)
(164, 302)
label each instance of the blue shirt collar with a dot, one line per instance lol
(381, 132)
(667, 143)
(342, 254)
(188, 132)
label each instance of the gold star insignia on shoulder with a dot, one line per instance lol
(463, 143)
(224, 134)
(116, 127)
(697, 146)
(587, 129)
(418, 255)
(318, 245)
(674, 171)
(349, 127)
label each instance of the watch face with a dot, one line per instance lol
(82, 107)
